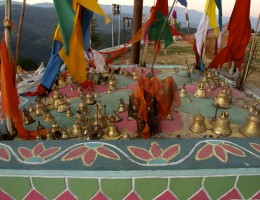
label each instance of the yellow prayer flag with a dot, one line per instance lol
(210, 10)
(93, 6)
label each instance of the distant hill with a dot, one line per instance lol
(40, 23)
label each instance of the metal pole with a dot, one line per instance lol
(112, 30)
(7, 26)
(137, 24)
(124, 29)
(119, 29)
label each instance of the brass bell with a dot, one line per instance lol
(39, 108)
(61, 81)
(122, 107)
(64, 134)
(198, 124)
(80, 118)
(27, 117)
(54, 127)
(221, 126)
(90, 99)
(251, 128)
(76, 130)
(135, 73)
(183, 92)
(49, 136)
(62, 106)
(112, 83)
(200, 93)
(106, 72)
(56, 100)
(99, 119)
(69, 112)
(169, 117)
(82, 107)
(109, 91)
(113, 130)
(31, 108)
(116, 116)
(48, 117)
(223, 99)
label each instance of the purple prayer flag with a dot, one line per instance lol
(174, 14)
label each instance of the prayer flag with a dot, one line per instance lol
(183, 2)
(239, 35)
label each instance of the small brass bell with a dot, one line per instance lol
(56, 100)
(48, 117)
(64, 134)
(112, 83)
(27, 117)
(125, 135)
(82, 107)
(69, 112)
(183, 92)
(39, 108)
(49, 136)
(251, 128)
(54, 127)
(221, 126)
(122, 107)
(113, 130)
(109, 91)
(198, 124)
(62, 106)
(76, 130)
(200, 93)
(31, 108)
(90, 99)
(38, 137)
(80, 118)
(61, 81)
(116, 116)
(135, 73)
(169, 117)
(223, 99)
(106, 72)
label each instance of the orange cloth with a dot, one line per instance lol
(9, 95)
(166, 94)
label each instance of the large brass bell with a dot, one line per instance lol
(122, 106)
(113, 130)
(251, 128)
(221, 126)
(200, 93)
(198, 124)
(183, 92)
(223, 99)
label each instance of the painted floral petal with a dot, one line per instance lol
(232, 194)
(166, 195)
(49, 152)
(132, 196)
(255, 146)
(139, 153)
(33, 194)
(89, 157)
(74, 153)
(155, 150)
(205, 152)
(103, 151)
(233, 150)
(4, 195)
(220, 153)
(171, 152)
(25, 153)
(5, 154)
(201, 194)
(99, 196)
(66, 195)
(38, 149)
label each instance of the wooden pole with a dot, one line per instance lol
(19, 34)
(250, 55)
(7, 26)
(137, 24)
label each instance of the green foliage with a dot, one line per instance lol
(96, 39)
(27, 64)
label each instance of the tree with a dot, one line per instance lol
(96, 40)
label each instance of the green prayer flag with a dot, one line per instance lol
(65, 15)
(155, 29)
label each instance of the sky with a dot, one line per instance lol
(227, 5)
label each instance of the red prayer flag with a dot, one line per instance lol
(239, 35)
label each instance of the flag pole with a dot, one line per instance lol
(19, 35)
(160, 36)
(250, 55)
(7, 35)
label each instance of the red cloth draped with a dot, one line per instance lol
(239, 35)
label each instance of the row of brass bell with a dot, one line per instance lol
(221, 127)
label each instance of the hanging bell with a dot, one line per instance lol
(251, 128)
(198, 124)
(122, 107)
(200, 93)
(223, 99)
(221, 126)
(183, 92)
